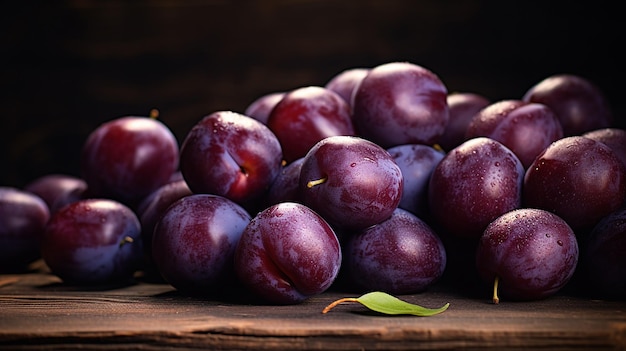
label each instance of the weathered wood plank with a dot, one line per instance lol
(37, 312)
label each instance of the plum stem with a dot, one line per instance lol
(496, 299)
(337, 302)
(154, 113)
(126, 240)
(313, 183)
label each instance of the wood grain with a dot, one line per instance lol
(38, 312)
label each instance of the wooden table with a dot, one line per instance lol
(38, 312)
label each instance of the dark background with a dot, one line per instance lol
(67, 66)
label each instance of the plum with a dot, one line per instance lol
(401, 255)
(92, 242)
(351, 182)
(287, 254)
(528, 254)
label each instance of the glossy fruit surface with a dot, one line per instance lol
(23, 217)
(93, 241)
(462, 107)
(473, 184)
(286, 186)
(604, 257)
(401, 255)
(416, 162)
(127, 158)
(579, 104)
(400, 103)
(525, 128)
(57, 190)
(287, 254)
(261, 107)
(579, 179)
(532, 252)
(345, 82)
(615, 138)
(351, 182)
(152, 208)
(307, 115)
(194, 242)
(231, 155)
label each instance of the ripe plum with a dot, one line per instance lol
(579, 179)
(194, 242)
(416, 161)
(287, 254)
(127, 158)
(462, 107)
(525, 128)
(261, 108)
(307, 115)
(345, 82)
(150, 211)
(231, 155)
(23, 217)
(58, 190)
(472, 185)
(93, 241)
(401, 255)
(400, 103)
(579, 104)
(528, 254)
(351, 182)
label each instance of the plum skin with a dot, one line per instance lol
(472, 185)
(579, 179)
(362, 184)
(400, 103)
(533, 252)
(194, 242)
(93, 241)
(401, 255)
(127, 158)
(287, 254)
(231, 155)
(23, 218)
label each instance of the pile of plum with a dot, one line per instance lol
(381, 180)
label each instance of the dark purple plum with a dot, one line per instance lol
(127, 158)
(93, 241)
(287, 254)
(345, 82)
(603, 257)
(579, 179)
(525, 128)
(150, 211)
(401, 255)
(286, 187)
(194, 243)
(261, 108)
(400, 103)
(579, 104)
(23, 217)
(462, 107)
(416, 161)
(307, 115)
(231, 155)
(472, 185)
(615, 138)
(528, 254)
(57, 190)
(351, 182)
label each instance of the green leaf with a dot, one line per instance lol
(388, 304)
